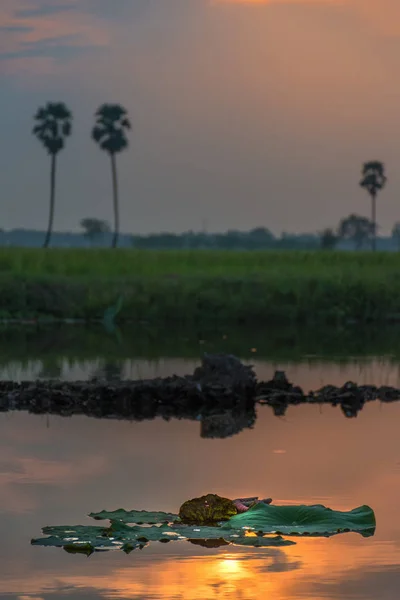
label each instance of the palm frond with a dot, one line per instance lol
(53, 126)
(66, 128)
(110, 125)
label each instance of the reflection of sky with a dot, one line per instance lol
(266, 107)
(308, 374)
(56, 472)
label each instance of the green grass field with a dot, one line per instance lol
(217, 263)
(201, 285)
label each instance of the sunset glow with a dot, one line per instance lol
(93, 452)
(227, 96)
(249, 575)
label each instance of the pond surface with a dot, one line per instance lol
(54, 470)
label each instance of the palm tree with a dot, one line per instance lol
(53, 125)
(373, 180)
(110, 133)
(396, 234)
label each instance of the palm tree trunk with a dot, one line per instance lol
(52, 199)
(373, 218)
(115, 196)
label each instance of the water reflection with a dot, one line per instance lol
(56, 475)
(142, 351)
(308, 373)
(108, 370)
(213, 423)
(226, 424)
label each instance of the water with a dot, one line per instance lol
(55, 470)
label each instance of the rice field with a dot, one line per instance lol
(201, 285)
(153, 263)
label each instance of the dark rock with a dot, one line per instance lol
(278, 382)
(207, 510)
(222, 391)
(225, 369)
(387, 393)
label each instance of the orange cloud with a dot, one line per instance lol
(28, 36)
(384, 16)
(259, 2)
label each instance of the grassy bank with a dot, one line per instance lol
(201, 285)
(22, 345)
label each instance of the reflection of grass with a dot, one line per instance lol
(200, 285)
(77, 343)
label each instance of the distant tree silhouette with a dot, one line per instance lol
(357, 229)
(396, 234)
(329, 239)
(260, 238)
(373, 180)
(53, 126)
(94, 228)
(110, 133)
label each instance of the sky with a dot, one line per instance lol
(245, 113)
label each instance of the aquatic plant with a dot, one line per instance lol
(260, 526)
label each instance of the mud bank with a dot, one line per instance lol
(222, 393)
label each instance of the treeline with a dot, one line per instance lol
(256, 239)
(355, 231)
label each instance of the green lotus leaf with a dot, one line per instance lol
(119, 535)
(135, 516)
(49, 541)
(82, 536)
(261, 519)
(303, 520)
(71, 531)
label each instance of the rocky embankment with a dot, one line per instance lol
(222, 393)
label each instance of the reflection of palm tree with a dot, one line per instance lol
(51, 369)
(110, 370)
(110, 133)
(373, 180)
(396, 234)
(53, 125)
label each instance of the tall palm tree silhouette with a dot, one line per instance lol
(53, 126)
(373, 180)
(110, 133)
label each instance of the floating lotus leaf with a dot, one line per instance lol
(135, 516)
(247, 529)
(87, 539)
(304, 520)
(75, 530)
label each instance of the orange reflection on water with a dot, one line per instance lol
(57, 474)
(278, 574)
